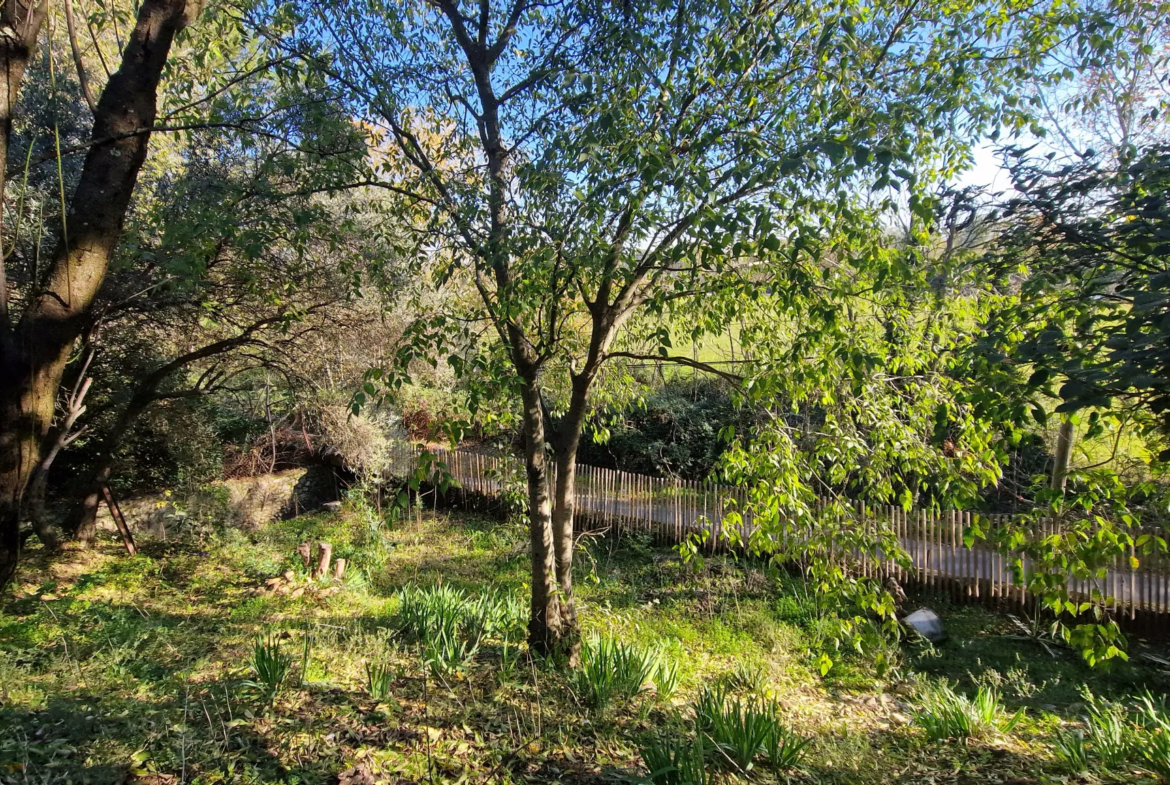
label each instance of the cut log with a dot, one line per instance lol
(339, 569)
(324, 555)
(305, 549)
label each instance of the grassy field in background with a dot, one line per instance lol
(117, 669)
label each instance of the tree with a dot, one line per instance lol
(242, 248)
(582, 163)
(1084, 246)
(1110, 94)
(35, 348)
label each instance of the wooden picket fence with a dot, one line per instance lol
(670, 511)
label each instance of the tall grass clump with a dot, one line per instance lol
(379, 678)
(494, 613)
(743, 731)
(666, 677)
(611, 670)
(1155, 737)
(1116, 735)
(749, 679)
(269, 667)
(946, 714)
(676, 761)
(451, 624)
(1072, 751)
(1110, 733)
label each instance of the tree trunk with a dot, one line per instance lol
(548, 633)
(564, 501)
(33, 354)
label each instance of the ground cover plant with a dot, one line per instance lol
(176, 665)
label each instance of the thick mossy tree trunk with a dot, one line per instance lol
(34, 352)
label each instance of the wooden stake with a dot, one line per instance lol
(119, 521)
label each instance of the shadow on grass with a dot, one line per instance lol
(137, 741)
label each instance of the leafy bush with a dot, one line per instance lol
(742, 731)
(675, 431)
(946, 714)
(675, 761)
(269, 667)
(611, 670)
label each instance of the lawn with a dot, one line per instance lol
(118, 669)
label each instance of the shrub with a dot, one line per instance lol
(611, 670)
(674, 761)
(269, 667)
(946, 714)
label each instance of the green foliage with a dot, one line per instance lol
(612, 671)
(512, 656)
(1080, 534)
(1109, 733)
(451, 624)
(673, 432)
(946, 714)
(666, 677)
(672, 760)
(1117, 735)
(1071, 750)
(269, 667)
(1084, 243)
(494, 612)
(743, 731)
(380, 678)
(746, 678)
(1154, 738)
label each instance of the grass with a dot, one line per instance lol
(117, 669)
(948, 715)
